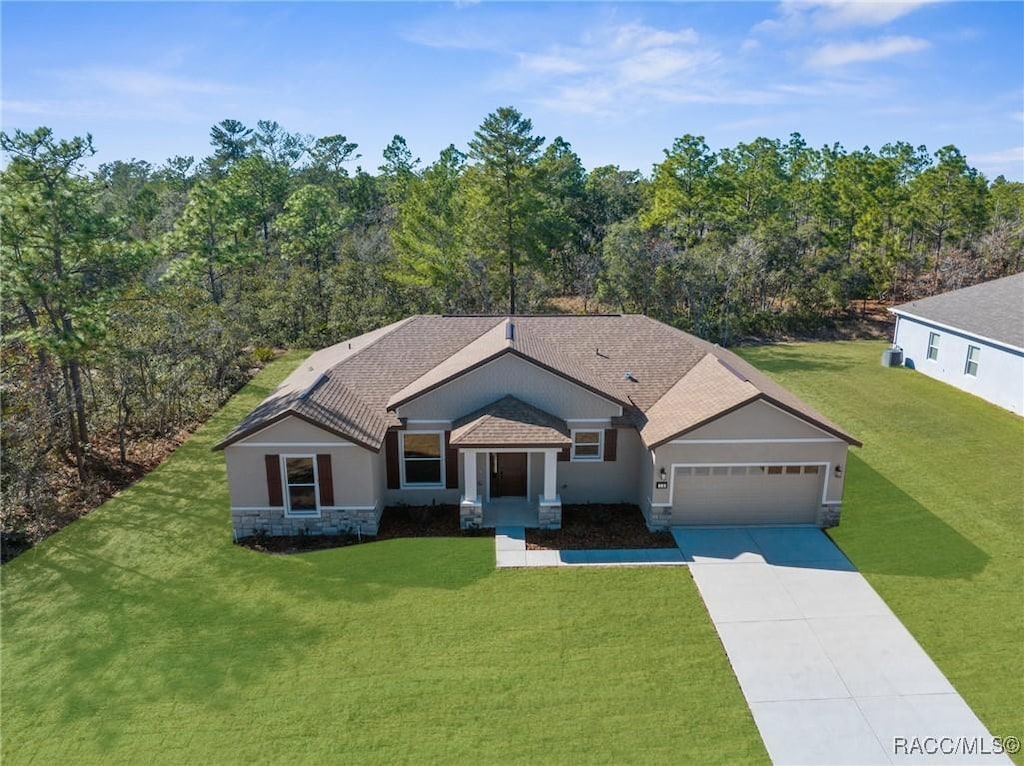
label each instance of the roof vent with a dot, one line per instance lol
(627, 375)
(510, 331)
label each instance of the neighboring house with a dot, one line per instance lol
(971, 338)
(530, 412)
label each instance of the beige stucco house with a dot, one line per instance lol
(531, 412)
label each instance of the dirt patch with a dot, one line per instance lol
(397, 521)
(598, 527)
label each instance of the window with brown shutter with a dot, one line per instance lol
(391, 459)
(451, 463)
(274, 494)
(326, 479)
(611, 439)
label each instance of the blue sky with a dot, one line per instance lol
(618, 81)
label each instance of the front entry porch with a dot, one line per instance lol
(497, 489)
(510, 512)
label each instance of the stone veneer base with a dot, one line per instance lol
(334, 521)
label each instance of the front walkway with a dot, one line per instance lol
(830, 673)
(510, 551)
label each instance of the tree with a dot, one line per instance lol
(427, 234)
(684, 191)
(231, 142)
(310, 226)
(63, 260)
(506, 201)
(277, 145)
(206, 244)
(398, 169)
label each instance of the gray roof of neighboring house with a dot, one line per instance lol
(509, 422)
(667, 381)
(992, 310)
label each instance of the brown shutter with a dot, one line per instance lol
(451, 463)
(326, 478)
(611, 444)
(391, 459)
(563, 455)
(273, 463)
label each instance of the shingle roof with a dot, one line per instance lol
(509, 422)
(667, 381)
(992, 310)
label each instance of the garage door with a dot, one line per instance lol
(759, 494)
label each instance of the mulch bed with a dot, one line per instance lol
(598, 527)
(396, 522)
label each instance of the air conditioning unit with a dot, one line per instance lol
(892, 357)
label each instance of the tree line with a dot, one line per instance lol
(138, 297)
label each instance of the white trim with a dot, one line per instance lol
(287, 499)
(410, 421)
(531, 450)
(606, 421)
(928, 347)
(403, 484)
(674, 466)
(976, 361)
(599, 458)
(958, 330)
(809, 440)
(297, 444)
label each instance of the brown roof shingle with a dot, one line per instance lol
(666, 380)
(512, 423)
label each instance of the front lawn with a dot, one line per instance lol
(934, 511)
(141, 635)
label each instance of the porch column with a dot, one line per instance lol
(469, 468)
(550, 475)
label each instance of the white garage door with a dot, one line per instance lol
(759, 494)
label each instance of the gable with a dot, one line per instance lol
(757, 420)
(291, 430)
(508, 375)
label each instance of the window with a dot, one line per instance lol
(973, 354)
(300, 485)
(792, 469)
(933, 346)
(587, 445)
(810, 469)
(421, 459)
(775, 470)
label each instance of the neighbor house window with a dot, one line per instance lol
(300, 485)
(933, 346)
(586, 445)
(973, 355)
(422, 454)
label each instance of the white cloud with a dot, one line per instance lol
(1008, 162)
(800, 16)
(637, 36)
(840, 54)
(144, 83)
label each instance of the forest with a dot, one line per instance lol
(137, 298)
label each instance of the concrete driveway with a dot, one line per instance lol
(830, 674)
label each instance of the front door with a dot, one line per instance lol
(508, 474)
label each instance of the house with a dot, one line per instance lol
(972, 338)
(524, 413)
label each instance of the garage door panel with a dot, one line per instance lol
(747, 494)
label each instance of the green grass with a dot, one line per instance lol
(933, 513)
(141, 635)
